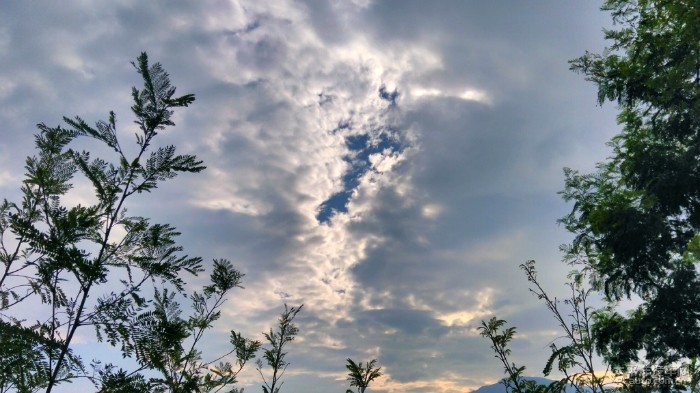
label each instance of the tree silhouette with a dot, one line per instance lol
(361, 376)
(275, 355)
(636, 220)
(89, 266)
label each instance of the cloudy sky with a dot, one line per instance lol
(387, 163)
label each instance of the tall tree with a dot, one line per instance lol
(572, 353)
(637, 219)
(361, 375)
(501, 338)
(275, 355)
(89, 266)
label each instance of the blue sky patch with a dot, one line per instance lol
(361, 147)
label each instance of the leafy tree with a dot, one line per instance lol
(361, 376)
(89, 266)
(164, 342)
(575, 359)
(500, 339)
(275, 355)
(637, 219)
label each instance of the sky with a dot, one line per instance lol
(386, 163)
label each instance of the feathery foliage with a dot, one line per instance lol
(361, 376)
(576, 359)
(70, 264)
(275, 355)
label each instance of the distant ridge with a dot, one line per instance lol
(500, 388)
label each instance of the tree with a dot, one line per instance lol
(361, 376)
(69, 263)
(636, 220)
(275, 355)
(575, 359)
(162, 341)
(500, 339)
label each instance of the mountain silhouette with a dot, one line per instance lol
(501, 388)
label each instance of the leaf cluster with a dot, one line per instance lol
(500, 338)
(275, 354)
(66, 261)
(636, 220)
(575, 359)
(361, 376)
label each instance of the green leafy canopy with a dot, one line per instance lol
(637, 219)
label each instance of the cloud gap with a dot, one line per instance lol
(361, 148)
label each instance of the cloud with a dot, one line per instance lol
(388, 164)
(465, 94)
